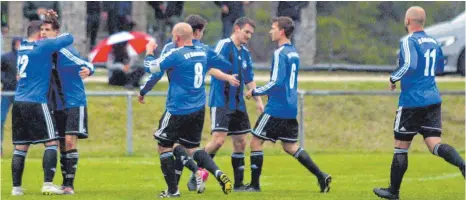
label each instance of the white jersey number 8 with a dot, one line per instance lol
(198, 68)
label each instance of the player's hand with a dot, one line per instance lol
(151, 46)
(84, 73)
(225, 9)
(392, 86)
(126, 68)
(17, 77)
(141, 99)
(41, 11)
(248, 94)
(259, 106)
(233, 81)
(51, 13)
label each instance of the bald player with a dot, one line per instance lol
(419, 108)
(183, 119)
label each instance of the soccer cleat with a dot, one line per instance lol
(68, 191)
(386, 193)
(225, 183)
(51, 189)
(192, 183)
(252, 188)
(325, 183)
(239, 188)
(17, 191)
(166, 194)
(201, 178)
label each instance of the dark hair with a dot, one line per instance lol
(33, 27)
(196, 22)
(53, 20)
(285, 23)
(241, 22)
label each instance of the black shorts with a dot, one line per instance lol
(32, 123)
(182, 129)
(234, 122)
(273, 129)
(72, 121)
(424, 120)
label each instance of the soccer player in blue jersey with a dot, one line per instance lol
(32, 121)
(68, 98)
(229, 116)
(198, 24)
(278, 122)
(419, 108)
(183, 119)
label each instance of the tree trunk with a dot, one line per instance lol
(14, 22)
(306, 39)
(139, 15)
(73, 21)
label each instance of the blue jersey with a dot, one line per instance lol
(282, 88)
(213, 59)
(35, 67)
(68, 87)
(420, 59)
(188, 67)
(222, 94)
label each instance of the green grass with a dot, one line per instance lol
(349, 137)
(354, 177)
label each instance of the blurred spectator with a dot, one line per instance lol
(4, 17)
(8, 80)
(292, 9)
(36, 10)
(93, 21)
(118, 15)
(231, 10)
(121, 74)
(167, 14)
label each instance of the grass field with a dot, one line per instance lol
(350, 137)
(355, 175)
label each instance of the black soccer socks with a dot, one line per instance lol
(449, 153)
(182, 155)
(398, 169)
(62, 165)
(71, 165)
(303, 157)
(17, 166)
(205, 161)
(167, 163)
(237, 162)
(257, 158)
(49, 162)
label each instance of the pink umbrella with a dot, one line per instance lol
(136, 44)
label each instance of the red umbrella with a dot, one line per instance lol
(136, 44)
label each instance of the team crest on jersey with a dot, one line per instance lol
(244, 64)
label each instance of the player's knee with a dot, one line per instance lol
(218, 142)
(178, 150)
(290, 148)
(239, 143)
(256, 144)
(22, 147)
